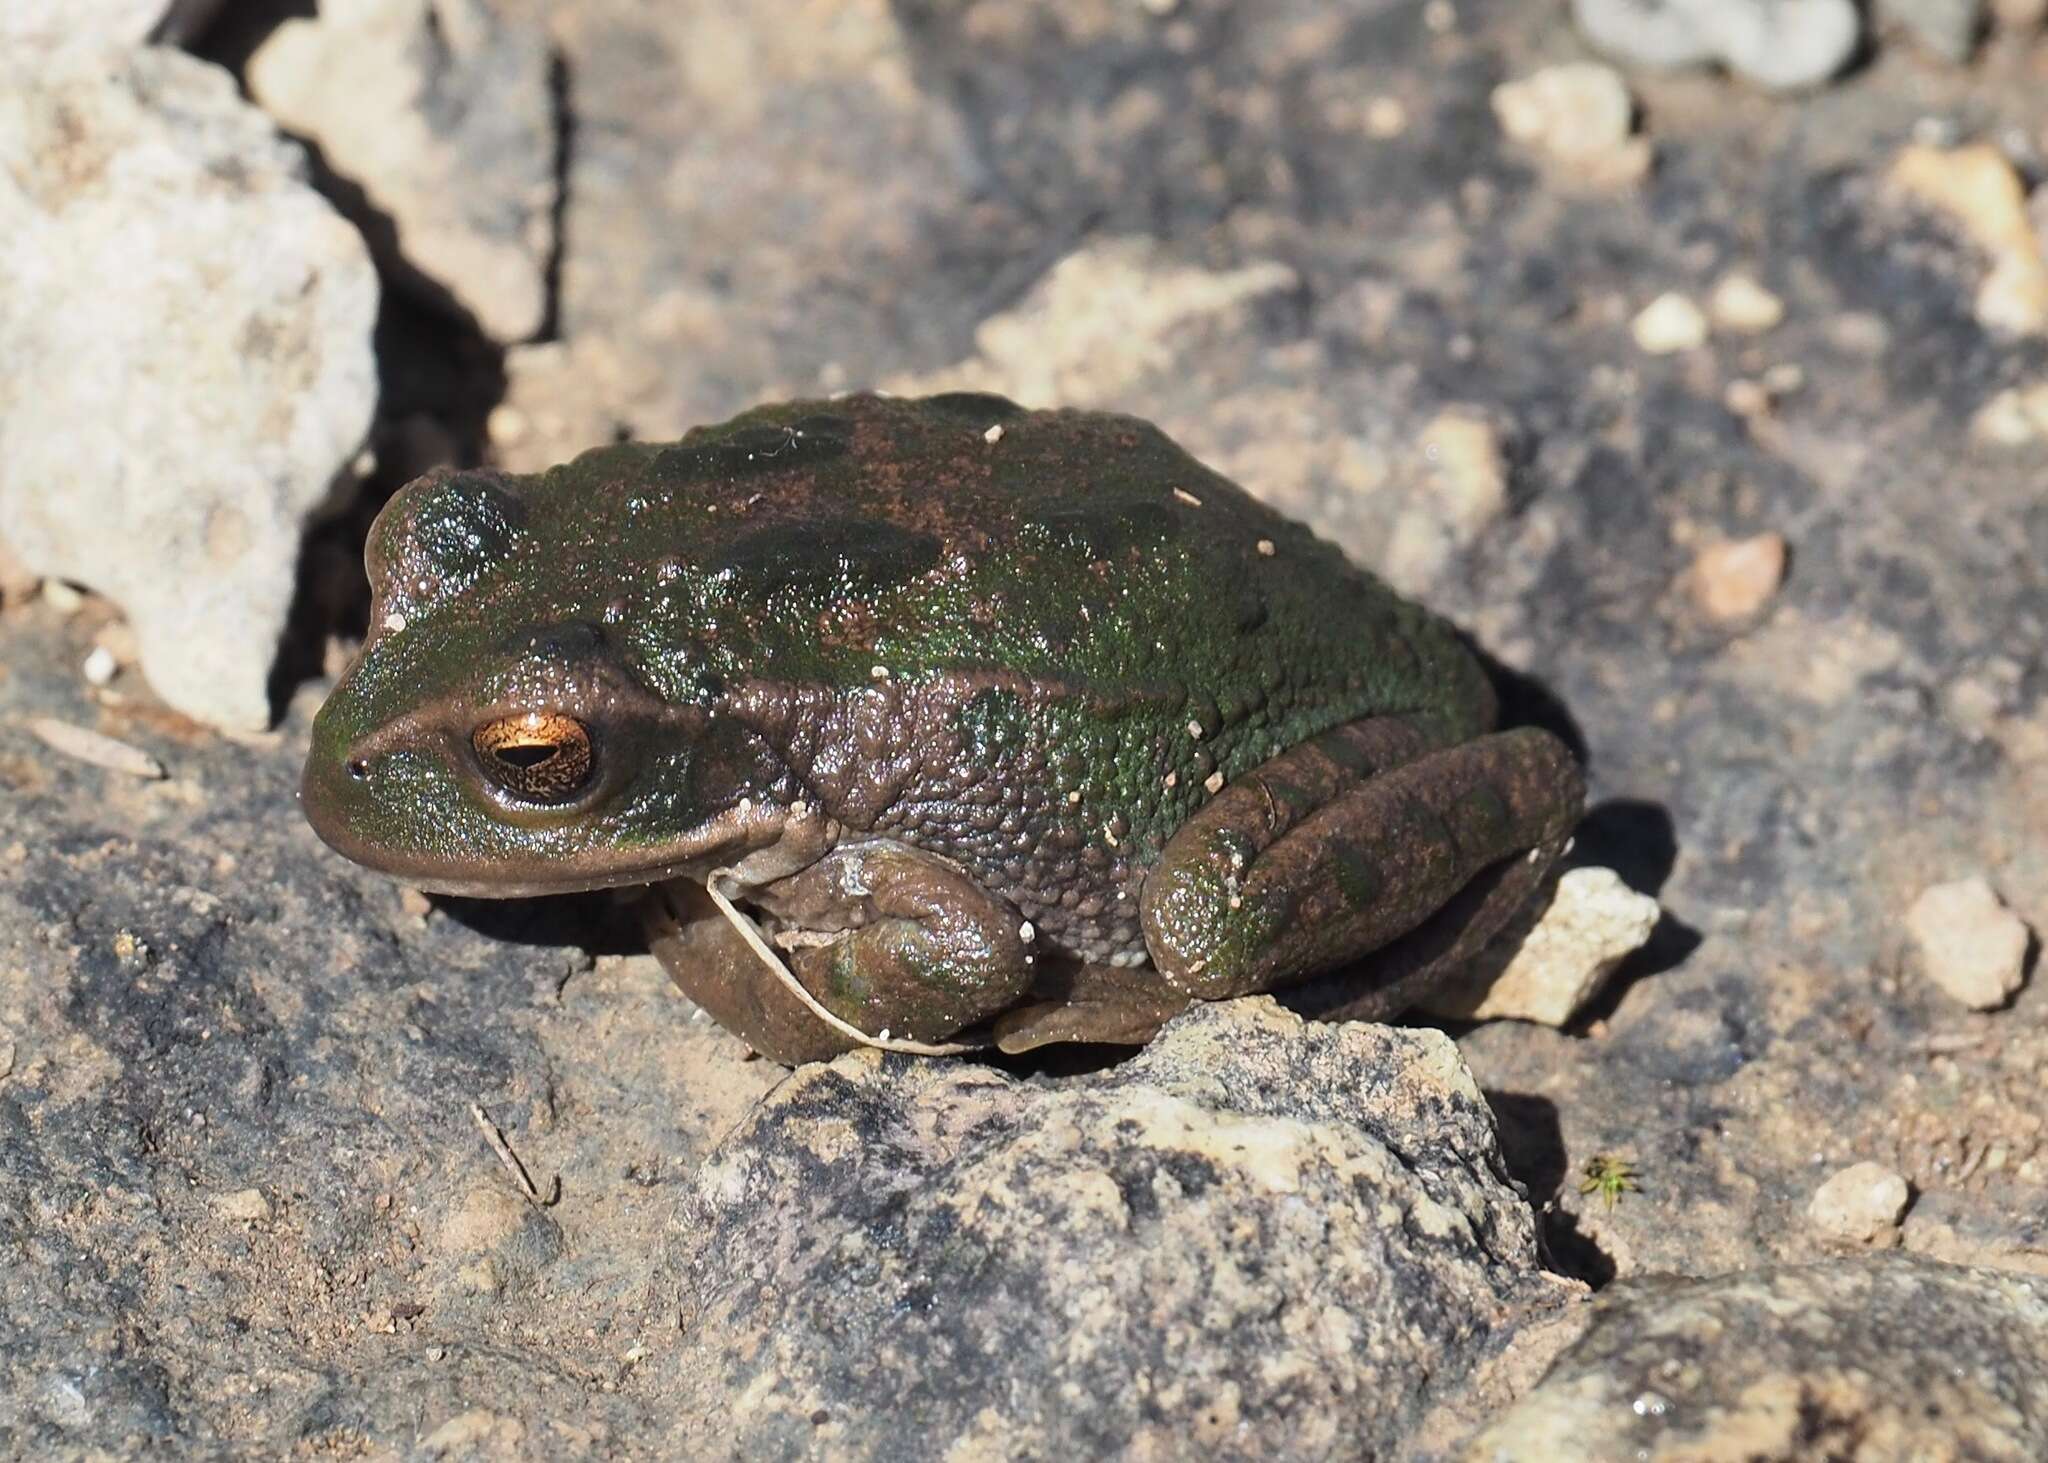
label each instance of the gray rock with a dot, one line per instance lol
(1780, 44)
(462, 154)
(185, 359)
(1889, 1357)
(1949, 28)
(1259, 1238)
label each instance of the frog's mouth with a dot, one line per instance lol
(523, 863)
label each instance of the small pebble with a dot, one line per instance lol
(1735, 579)
(62, 597)
(1742, 306)
(243, 1204)
(1580, 115)
(1860, 1205)
(1970, 944)
(100, 667)
(92, 747)
(1593, 922)
(2014, 417)
(993, 435)
(1385, 117)
(1669, 324)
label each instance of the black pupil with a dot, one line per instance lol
(532, 754)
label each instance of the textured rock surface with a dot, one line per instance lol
(461, 154)
(1258, 1238)
(1881, 1358)
(185, 360)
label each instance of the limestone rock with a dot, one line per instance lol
(1861, 1205)
(1877, 1357)
(462, 153)
(175, 284)
(1971, 945)
(1591, 924)
(1262, 1235)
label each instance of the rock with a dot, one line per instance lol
(1978, 188)
(1874, 1357)
(1579, 115)
(461, 149)
(246, 1205)
(2014, 417)
(1949, 28)
(1742, 306)
(51, 23)
(1669, 324)
(1733, 580)
(1970, 944)
(1461, 488)
(221, 414)
(1780, 44)
(1098, 322)
(1860, 1205)
(1260, 1236)
(1592, 923)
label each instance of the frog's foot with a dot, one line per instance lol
(1366, 839)
(712, 963)
(1115, 1005)
(895, 945)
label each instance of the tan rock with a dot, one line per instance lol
(1978, 188)
(1669, 324)
(1592, 924)
(1862, 1204)
(1735, 579)
(246, 1205)
(1970, 944)
(1741, 305)
(1580, 114)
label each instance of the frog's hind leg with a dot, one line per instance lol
(1369, 838)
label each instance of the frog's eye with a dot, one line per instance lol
(539, 756)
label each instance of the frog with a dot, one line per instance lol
(935, 724)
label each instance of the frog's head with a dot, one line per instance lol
(501, 731)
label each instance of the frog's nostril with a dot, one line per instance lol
(359, 768)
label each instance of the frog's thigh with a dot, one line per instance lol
(714, 966)
(1286, 874)
(894, 940)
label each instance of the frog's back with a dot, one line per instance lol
(842, 541)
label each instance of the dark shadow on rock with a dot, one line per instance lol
(1634, 838)
(236, 30)
(1566, 1250)
(600, 922)
(1531, 1142)
(1526, 701)
(1532, 1146)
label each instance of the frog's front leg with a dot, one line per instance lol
(892, 941)
(1369, 838)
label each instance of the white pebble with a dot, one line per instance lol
(1970, 944)
(100, 666)
(1669, 324)
(1860, 1205)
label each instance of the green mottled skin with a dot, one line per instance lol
(1036, 657)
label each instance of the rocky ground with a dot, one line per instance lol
(1715, 412)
